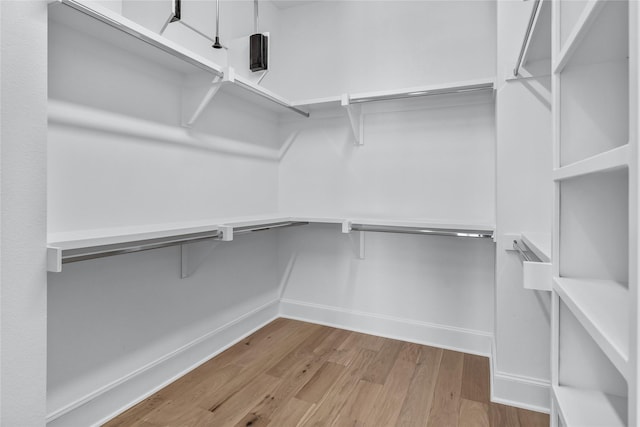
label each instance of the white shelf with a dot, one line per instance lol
(540, 244)
(599, 35)
(585, 408)
(87, 240)
(609, 160)
(106, 25)
(450, 88)
(602, 307)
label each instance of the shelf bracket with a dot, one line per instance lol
(193, 103)
(192, 255)
(357, 238)
(354, 111)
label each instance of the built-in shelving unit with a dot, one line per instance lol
(594, 298)
(90, 244)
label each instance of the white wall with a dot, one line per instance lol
(106, 179)
(524, 204)
(332, 47)
(424, 160)
(23, 309)
(119, 327)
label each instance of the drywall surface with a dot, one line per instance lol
(23, 301)
(333, 47)
(442, 282)
(524, 202)
(432, 162)
(108, 178)
(424, 159)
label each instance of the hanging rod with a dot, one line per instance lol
(527, 37)
(423, 231)
(263, 227)
(524, 252)
(355, 99)
(76, 5)
(82, 254)
(270, 97)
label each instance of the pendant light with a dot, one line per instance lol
(216, 42)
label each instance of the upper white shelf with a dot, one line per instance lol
(108, 26)
(535, 52)
(76, 246)
(615, 158)
(486, 85)
(579, 407)
(114, 29)
(600, 34)
(602, 307)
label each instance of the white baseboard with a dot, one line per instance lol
(523, 392)
(112, 399)
(458, 339)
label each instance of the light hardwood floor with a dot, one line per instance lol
(292, 373)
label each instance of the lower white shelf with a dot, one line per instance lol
(602, 307)
(584, 408)
(84, 245)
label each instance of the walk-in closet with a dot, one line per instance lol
(319, 213)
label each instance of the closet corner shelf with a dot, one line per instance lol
(117, 30)
(586, 43)
(536, 44)
(539, 243)
(602, 307)
(609, 160)
(580, 407)
(83, 245)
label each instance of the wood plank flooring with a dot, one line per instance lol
(292, 373)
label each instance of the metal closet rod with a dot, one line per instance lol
(423, 230)
(74, 4)
(527, 37)
(101, 251)
(271, 98)
(524, 253)
(74, 255)
(263, 227)
(419, 93)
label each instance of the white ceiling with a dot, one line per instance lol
(285, 4)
